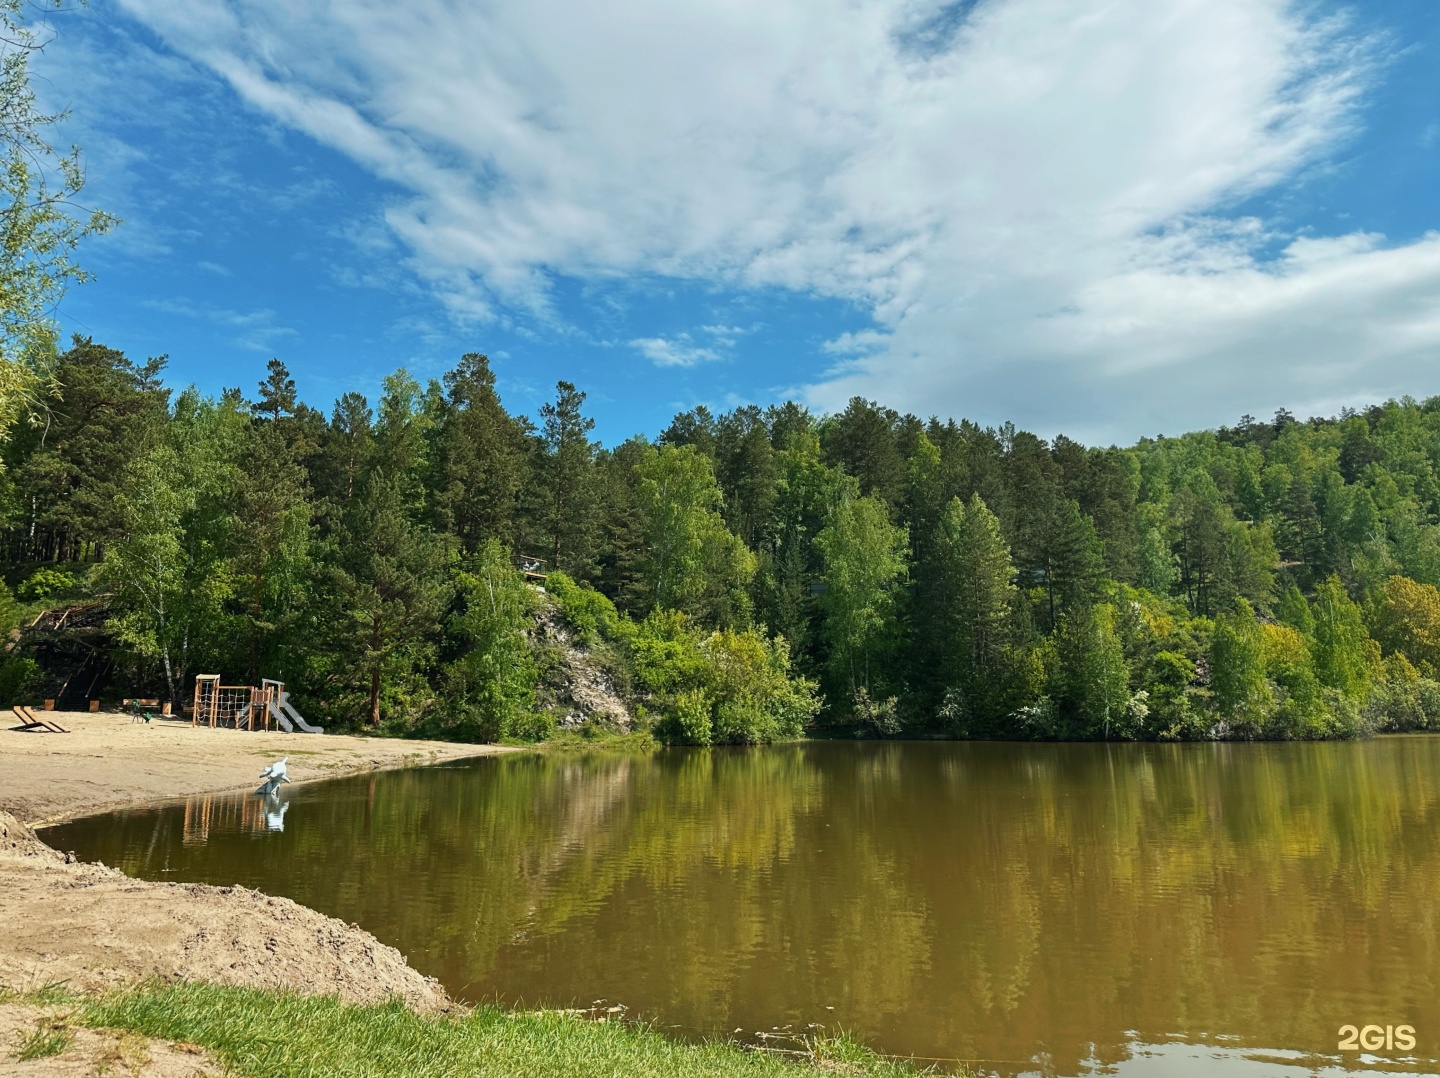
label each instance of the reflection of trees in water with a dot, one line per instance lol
(976, 900)
(688, 896)
(1241, 889)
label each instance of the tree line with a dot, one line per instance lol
(743, 576)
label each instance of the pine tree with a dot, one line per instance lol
(272, 542)
(389, 584)
(347, 452)
(748, 475)
(862, 440)
(73, 454)
(1075, 561)
(970, 594)
(277, 392)
(567, 476)
(483, 450)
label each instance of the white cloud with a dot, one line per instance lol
(862, 342)
(1033, 207)
(679, 351)
(256, 330)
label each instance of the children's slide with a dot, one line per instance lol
(288, 719)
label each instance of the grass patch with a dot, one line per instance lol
(590, 738)
(278, 1035)
(45, 995)
(50, 1037)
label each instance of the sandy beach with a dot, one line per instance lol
(109, 761)
(92, 928)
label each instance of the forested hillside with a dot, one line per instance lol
(743, 577)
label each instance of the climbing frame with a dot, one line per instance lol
(240, 706)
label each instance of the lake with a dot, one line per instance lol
(1142, 910)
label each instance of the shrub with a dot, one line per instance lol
(45, 582)
(756, 698)
(589, 613)
(16, 675)
(689, 721)
(531, 726)
(740, 679)
(878, 714)
(1403, 701)
(665, 653)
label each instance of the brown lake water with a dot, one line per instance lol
(1141, 910)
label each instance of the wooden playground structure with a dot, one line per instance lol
(246, 707)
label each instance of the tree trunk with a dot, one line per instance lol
(375, 673)
(169, 676)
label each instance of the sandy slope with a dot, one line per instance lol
(107, 761)
(95, 928)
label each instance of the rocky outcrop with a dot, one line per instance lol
(579, 687)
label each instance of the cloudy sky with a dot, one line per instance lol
(1104, 217)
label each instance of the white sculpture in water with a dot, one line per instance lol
(273, 775)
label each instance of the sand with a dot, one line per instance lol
(94, 928)
(109, 761)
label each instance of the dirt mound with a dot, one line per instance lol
(17, 840)
(95, 928)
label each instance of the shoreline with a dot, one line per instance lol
(154, 976)
(97, 929)
(108, 762)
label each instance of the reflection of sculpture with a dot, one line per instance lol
(273, 775)
(275, 821)
(228, 813)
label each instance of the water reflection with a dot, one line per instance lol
(1056, 909)
(275, 814)
(228, 813)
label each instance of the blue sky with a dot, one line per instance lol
(1107, 219)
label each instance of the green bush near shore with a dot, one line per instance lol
(282, 1035)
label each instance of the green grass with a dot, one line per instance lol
(48, 1038)
(276, 1035)
(573, 741)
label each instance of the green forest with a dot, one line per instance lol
(758, 575)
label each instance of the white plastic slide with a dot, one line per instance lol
(290, 720)
(280, 719)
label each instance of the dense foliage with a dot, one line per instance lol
(745, 577)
